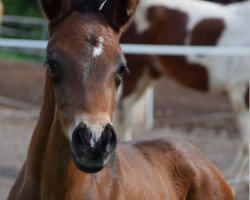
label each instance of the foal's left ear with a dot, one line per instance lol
(119, 11)
(55, 9)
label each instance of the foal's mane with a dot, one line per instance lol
(117, 13)
(113, 10)
(87, 5)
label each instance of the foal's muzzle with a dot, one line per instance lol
(90, 155)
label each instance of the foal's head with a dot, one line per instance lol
(85, 64)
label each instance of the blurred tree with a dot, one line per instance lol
(22, 7)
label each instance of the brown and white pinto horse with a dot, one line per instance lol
(190, 22)
(72, 151)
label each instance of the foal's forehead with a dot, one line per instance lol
(85, 27)
(84, 33)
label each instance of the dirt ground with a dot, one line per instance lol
(205, 120)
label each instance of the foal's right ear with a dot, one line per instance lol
(55, 9)
(119, 12)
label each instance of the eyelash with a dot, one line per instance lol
(122, 69)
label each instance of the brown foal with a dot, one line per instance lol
(73, 154)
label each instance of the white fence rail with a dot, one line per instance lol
(24, 20)
(174, 50)
(144, 49)
(21, 43)
(10, 29)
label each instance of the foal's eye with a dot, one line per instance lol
(119, 73)
(54, 69)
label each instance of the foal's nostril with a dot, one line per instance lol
(108, 138)
(82, 135)
(85, 145)
(92, 152)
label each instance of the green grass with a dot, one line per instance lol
(20, 57)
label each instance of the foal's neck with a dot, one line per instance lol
(49, 158)
(39, 140)
(59, 173)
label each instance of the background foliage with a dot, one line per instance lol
(27, 8)
(22, 7)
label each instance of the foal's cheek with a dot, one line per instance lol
(60, 96)
(63, 106)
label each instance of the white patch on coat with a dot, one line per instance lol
(97, 51)
(119, 92)
(96, 127)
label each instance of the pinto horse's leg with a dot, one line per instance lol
(237, 97)
(128, 109)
